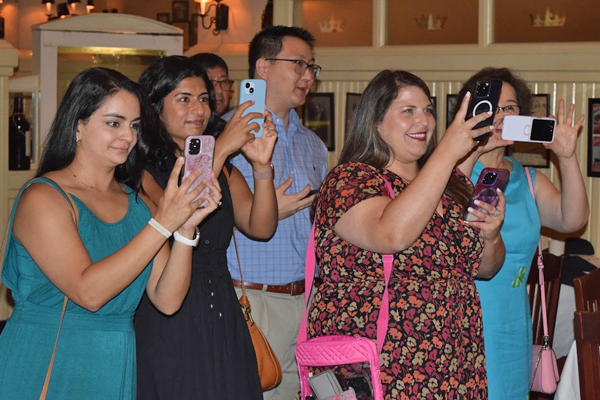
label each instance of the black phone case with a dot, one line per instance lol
(484, 103)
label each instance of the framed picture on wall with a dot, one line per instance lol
(164, 18)
(318, 116)
(351, 103)
(194, 29)
(451, 100)
(533, 154)
(180, 11)
(593, 164)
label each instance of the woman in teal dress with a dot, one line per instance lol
(507, 332)
(102, 260)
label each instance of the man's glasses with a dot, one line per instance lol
(300, 66)
(510, 109)
(224, 85)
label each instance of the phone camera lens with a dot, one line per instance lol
(489, 178)
(247, 85)
(251, 90)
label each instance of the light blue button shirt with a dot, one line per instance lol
(299, 154)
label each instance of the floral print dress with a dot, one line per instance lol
(434, 345)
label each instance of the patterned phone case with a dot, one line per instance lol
(199, 157)
(486, 191)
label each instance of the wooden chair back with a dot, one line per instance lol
(553, 266)
(587, 337)
(587, 291)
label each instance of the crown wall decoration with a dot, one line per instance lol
(548, 19)
(431, 23)
(332, 25)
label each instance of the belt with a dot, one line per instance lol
(293, 289)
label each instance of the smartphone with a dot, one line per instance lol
(325, 384)
(198, 151)
(313, 191)
(254, 89)
(484, 99)
(485, 189)
(521, 128)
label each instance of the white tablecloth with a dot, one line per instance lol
(568, 386)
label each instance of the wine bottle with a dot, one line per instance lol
(19, 138)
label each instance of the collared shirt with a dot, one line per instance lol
(300, 154)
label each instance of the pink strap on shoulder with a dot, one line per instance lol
(540, 264)
(384, 312)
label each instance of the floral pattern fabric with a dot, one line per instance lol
(434, 344)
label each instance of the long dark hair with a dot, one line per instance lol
(86, 94)
(160, 79)
(363, 142)
(524, 95)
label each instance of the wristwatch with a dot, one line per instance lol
(188, 242)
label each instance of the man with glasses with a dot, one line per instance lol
(218, 74)
(274, 270)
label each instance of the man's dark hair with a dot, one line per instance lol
(207, 61)
(269, 42)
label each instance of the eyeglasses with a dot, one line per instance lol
(300, 66)
(224, 85)
(510, 109)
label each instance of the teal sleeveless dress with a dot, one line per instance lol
(95, 357)
(507, 333)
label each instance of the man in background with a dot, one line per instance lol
(274, 270)
(218, 74)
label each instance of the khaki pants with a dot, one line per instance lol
(278, 316)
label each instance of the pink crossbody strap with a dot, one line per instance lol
(540, 264)
(384, 312)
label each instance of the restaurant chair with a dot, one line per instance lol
(587, 337)
(553, 266)
(587, 292)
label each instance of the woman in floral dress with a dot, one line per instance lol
(434, 344)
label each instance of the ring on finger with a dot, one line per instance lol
(497, 213)
(220, 203)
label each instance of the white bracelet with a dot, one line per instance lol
(156, 225)
(188, 242)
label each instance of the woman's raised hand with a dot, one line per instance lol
(259, 150)
(565, 133)
(237, 131)
(178, 207)
(459, 137)
(491, 220)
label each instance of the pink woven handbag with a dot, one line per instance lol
(544, 371)
(340, 349)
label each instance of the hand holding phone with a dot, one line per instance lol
(489, 180)
(521, 128)
(254, 89)
(198, 153)
(484, 99)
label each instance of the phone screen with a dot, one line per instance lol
(542, 130)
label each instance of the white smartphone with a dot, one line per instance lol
(521, 128)
(325, 384)
(198, 153)
(254, 89)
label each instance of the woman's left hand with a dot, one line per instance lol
(491, 220)
(213, 201)
(565, 133)
(260, 150)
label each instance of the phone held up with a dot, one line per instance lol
(198, 153)
(522, 128)
(254, 89)
(485, 190)
(484, 99)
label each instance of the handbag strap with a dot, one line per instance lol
(540, 264)
(244, 299)
(384, 311)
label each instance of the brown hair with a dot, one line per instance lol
(363, 142)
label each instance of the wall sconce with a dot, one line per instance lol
(221, 18)
(73, 4)
(90, 6)
(48, 4)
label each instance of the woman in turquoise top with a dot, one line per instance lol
(507, 332)
(104, 259)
